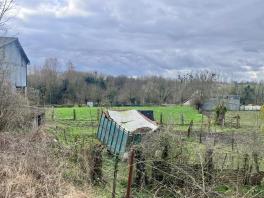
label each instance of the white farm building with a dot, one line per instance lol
(13, 62)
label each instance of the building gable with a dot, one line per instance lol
(13, 61)
(5, 41)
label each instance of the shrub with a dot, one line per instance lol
(14, 112)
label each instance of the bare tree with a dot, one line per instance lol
(6, 6)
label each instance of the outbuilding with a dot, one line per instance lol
(118, 130)
(13, 63)
(231, 102)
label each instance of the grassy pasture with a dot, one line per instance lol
(68, 130)
(85, 130)
(169, 113)
(85, 125)
(87, 119)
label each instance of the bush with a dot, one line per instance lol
(14, 112)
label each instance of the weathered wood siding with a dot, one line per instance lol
(14, 64)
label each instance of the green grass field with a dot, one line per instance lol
(64, 117)
(82, 131)
(84, 128)
(169, 113)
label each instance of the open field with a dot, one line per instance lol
(81, 133)
(86, 120)
(169, 113)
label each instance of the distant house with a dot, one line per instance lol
(90, 104)
(232, 103)
(13, 62)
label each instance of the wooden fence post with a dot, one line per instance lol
(76, 150)
(74, 114)
(209, 124)
(190, 129)
(115, 176)
(232, 161)
(64, 134)
(232, 140)
(246, 162)
(98, 115)
(214, 141)
(223, 164)
(161, 118)
(202, 123)
(209, 165)
(237, 121)
(238, 162)
(255, 158)
(181, 119)
(52, 114)
(130, 174)
(96, 160)
(200, 138)
(141, 178)
(246, 169)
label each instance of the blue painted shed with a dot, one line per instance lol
(118, 130)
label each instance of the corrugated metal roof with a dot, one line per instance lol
(132, 120)
(7, 40)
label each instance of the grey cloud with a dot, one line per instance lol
(143, 37)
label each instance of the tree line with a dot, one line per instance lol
(48, 85)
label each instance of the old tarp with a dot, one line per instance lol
(132, 120)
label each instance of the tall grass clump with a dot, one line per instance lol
(13, 111)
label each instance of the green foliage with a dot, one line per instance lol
(222, 188)
(220, 109)
(220, 114)
(248, 95)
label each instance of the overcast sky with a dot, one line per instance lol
(146, 37)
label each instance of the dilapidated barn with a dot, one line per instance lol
(13, 62)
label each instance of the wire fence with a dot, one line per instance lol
(183, 175)
(189, 170)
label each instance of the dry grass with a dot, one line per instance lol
(30, 168)
(13, 114)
